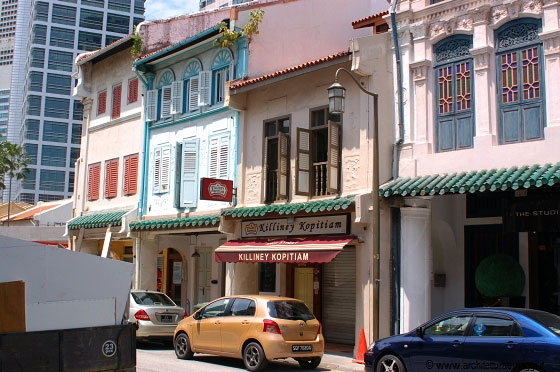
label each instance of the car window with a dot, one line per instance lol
(292, 310)
(243, 307)
(452, 326)
(151, 298)
(486, 326)
(215, 309)
(547, 320)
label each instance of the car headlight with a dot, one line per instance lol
(371, 346)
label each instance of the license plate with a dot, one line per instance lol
(301, 348)
(166, 318)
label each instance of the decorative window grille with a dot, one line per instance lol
(520, 80)
(454, 128)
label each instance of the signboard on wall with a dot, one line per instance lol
(540, 214)
(215, 189)
(297, 226)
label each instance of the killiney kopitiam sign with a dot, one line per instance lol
(297, 226)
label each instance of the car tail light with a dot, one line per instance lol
(319, 330)
(271, 326)
(141, 315)
(185, 314)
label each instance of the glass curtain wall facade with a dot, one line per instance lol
(46, 119)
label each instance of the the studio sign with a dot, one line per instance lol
(533, 214)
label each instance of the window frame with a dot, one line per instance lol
(222, 65)
(449, 316)
(521, 103)
(451, 58)
(470, 331)
(277, 121)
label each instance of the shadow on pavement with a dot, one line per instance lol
(287, 365)
(154, 345)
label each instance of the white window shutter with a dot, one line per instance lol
(166, 102)
(151, 105)
(303, 163)
(177, 97)
(333, 158)
(224, 154)
(204, 87)
(213, 158)
(165, 168)
(193, 93)
(157, 170)
(189, 174)
(231, 71)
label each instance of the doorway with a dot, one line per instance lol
(544, 272)
(204, 279)
(174, 275)
(303, 285)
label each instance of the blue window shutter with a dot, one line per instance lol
(189, 174)
(159, 104)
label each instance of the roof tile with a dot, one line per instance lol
(176, 223)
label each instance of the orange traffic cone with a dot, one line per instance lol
(362, 348)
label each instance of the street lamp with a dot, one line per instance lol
(337, 95)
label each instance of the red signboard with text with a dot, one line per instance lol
(215, 189)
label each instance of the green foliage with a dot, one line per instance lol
(136, 49)
(228, 37)
(13, 162)
(499, 275)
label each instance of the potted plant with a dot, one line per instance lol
(501, 280)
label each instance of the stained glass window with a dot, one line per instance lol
(521, 101)
(454, 80)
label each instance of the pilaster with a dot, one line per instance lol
(551, 46)
(420, 75)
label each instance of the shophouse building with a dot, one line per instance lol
(108, 170)
(479, 165)
(302, 226)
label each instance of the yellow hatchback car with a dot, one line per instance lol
(254, 328)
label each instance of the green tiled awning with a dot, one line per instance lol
(176, 223)
(94, 221)
(325, 205)
(475, 181)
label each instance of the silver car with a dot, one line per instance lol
(155, 314)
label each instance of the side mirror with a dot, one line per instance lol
(419, 332)
(197, 315)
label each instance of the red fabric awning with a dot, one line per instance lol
(298, 250)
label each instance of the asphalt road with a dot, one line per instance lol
(154, 357)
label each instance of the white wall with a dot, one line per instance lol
(66, 289)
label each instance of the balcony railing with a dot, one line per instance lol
(320, 174)
(271, 185)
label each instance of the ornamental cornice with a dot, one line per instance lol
(420, 69)
(464, 22)
(481, 15)
(551, 42)
(550, 3)
(482, 57)
(418, 31)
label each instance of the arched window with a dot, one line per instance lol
(520, 77)
(191, 79)
(454, 129)
(222, 71)
(164, 85)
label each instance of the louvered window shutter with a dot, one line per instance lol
(132, 90)
(333, 158)
(151, 105)
(93, 182)
(213, 157)
(177, 97)
(116, 109)
(111, 178)
(283, 165)
(189, 174)
(132, 174)
(157, 170)
(224, 155)
(102, 102)
(303, 164)
(166, 102)
(193, 93)
(165, 168)
(126, 175)
(204, 87)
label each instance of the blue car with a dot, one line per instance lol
(478, 339)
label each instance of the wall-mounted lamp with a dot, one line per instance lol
(195, 254)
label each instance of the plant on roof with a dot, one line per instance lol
(136, 49)
(228, 37)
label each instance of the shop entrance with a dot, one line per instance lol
(544, 273)
(174, 275)
(303, 285)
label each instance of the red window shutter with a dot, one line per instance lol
(102, 102)
(111, 178)
(93, 182)
(116, 109)
(133, 175)
(133, 90)
(126, 183)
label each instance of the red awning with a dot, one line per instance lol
(316, 249)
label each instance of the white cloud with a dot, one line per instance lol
(157, 9)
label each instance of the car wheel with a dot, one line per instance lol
(309, 363)
(254, 358)
(183, 347)
(390, 363)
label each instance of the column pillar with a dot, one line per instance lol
(416, 267)
(146, 257)
(551, 47)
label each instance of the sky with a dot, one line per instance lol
(156, 9)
